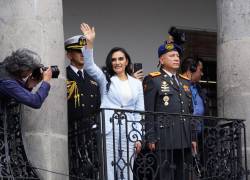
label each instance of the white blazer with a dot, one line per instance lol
(111, 98)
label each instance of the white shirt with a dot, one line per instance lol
(170, 75)
(125, 91)
(76, 70)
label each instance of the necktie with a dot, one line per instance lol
(80, 74)
(174, 81)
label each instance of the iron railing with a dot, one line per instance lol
(106, 148)
(84, 149)
(221, 152)
(13, 160)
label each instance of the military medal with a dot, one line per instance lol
(166, 99)
(165, 103)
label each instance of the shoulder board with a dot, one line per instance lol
(184, 77)
(155, 74)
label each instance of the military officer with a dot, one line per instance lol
(170, 135)
(83, 105)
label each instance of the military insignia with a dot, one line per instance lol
(82, 42)
(73, 89)
(186, 88)
(184, 77)
(155, 74)
(169, 47)
(93, 82)
(164, 86)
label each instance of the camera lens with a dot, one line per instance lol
(55, 71)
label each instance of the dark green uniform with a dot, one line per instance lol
(172, 134)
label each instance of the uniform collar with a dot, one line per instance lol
(168, 73)
(76, 70)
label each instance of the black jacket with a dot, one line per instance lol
(83, 96)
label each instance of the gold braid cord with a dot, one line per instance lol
(72, 89)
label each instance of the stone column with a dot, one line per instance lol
(234, 61)
(38, 25)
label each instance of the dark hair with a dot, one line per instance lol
(109, 61)
(22, 60)
(109, 72)
(190, 63)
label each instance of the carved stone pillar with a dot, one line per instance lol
(233, 61)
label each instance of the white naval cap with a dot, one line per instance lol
(75, 42)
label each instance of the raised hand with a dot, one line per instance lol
(89, 34)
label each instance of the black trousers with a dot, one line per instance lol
(174, 164)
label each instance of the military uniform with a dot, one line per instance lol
(161, 95)
(83, 96)
(172, 134)
(83, 108)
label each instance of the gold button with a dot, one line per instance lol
(92, 95)
(81, 94)
(83, 105)
(91, 105)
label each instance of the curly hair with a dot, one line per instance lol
(22, 60)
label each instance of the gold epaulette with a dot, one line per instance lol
(184, 77)
(155, 74)
(72, 88)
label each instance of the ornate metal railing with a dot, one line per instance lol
(107, 151)
(13, 160)
(84, 149)
(221, 146)
(221, 152)
(104, 149)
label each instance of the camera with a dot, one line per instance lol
(178, 36)
(37, 74)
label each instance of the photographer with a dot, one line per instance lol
(17, 80)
